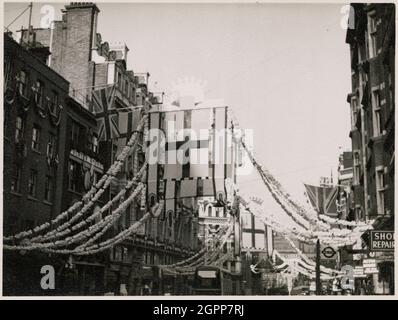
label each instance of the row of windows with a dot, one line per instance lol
(36, 137)
(75, 180)
(23, 88)
(32, 183)
(78, 135)
(127, 87)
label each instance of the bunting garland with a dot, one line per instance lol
(88, 199)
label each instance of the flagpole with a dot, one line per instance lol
(318, 288)
(30, 21)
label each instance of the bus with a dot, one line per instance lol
(211, 280)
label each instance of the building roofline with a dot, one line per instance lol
(79, 108)
(7, 37)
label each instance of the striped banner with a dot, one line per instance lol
(194, 159)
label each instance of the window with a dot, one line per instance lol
(16, 179)
(54, 101)
(363, 78)
(119, 79)
(36, 138)
(39, 93)
(390, 90)
(19, 128)
(357, 164)
(132, 93)
(95, 177)
(73, 175)
(126, 87)
(23, 83)
(376, 113)
(95, 143)
(75, 131)
(354, 111)
(372, 45)
(114, 152)
(48, 189)
(32, 183)
(380, 185)
(51, 145)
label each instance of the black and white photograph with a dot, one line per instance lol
(185, 149)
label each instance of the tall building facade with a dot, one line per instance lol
(371, 37)
(49, 155)
(105, 102)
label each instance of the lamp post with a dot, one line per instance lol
(318, 284)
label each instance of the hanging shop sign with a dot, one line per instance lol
(381, 240)
(85, 158)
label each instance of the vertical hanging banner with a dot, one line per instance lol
(193, 147)
(190, 154)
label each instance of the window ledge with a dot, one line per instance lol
(16, 193)
(33, 198)
(36, 151)
(75, 192)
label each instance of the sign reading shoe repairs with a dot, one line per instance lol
(381, 240)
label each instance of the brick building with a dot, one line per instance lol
(96, 68)
(46, 133)
(371, 36)
(34, 117)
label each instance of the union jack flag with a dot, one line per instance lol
(107, 116)
(323, 199)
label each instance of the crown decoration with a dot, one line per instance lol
(187, 90)
(257, 200)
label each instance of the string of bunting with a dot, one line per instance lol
(89, 198)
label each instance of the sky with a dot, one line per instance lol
(284, 70)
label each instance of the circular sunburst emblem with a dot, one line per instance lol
(187, 92)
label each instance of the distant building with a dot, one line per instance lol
(344, 183)
(371, 36)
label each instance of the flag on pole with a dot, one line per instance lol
(107, 116)
(323, 199)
